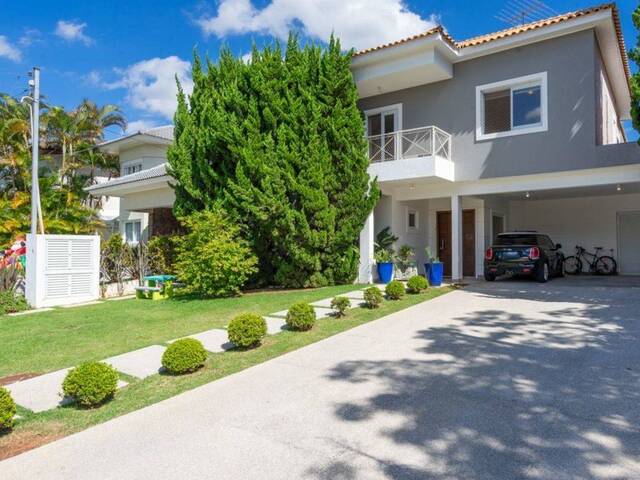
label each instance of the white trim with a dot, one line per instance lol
(386, 108)
(132, 222)
(536, 79)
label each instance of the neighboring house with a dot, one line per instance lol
(519, 129)
(146, 199)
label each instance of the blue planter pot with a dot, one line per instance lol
(434, 273)
(385, 272)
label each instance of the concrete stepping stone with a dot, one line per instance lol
(321, 312)
(355, 295)
(326, 303)
(43, 392)
(214, 340)
(139, 363)
(275, 325)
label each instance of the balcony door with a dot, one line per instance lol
(382, 124)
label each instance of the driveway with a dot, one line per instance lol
(511, 380)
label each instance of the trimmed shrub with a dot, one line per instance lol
(212, 258)
(372, 297)
(340, 305)
(417, 283)
(11, 302)
(184, 356)
(7, 409)
(247, 329)
(91, 383)
(301, 316)
(394, 290)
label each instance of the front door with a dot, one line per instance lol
(468, 242)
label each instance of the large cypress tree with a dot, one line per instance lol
(279, 143)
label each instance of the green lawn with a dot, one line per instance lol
(136, 324)
(47, 341)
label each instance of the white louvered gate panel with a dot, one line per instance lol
(64, 269)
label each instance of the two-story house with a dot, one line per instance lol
(514, 130)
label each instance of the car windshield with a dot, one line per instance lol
(524, 239)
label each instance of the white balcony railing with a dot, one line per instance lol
(412, 143)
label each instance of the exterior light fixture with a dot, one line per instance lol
(527, 195)
(412, 187)
(618, 188)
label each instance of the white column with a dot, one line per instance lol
(365, 272)
(456, 237)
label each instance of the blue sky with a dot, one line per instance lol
(127, 52)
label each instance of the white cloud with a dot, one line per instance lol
(140, 125)
(9, 51)
(358, 23)
(72, 31)
(151, 84)
(30, 36)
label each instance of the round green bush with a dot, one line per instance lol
(184, 356)
(301, 316)
(247, 329)
(394, 290)
(417, 283)
(340, 305)
(372, 297)
(91, 384)
(7, 409)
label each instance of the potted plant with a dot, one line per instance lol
(384, 262)
(434, 269)
(405, 268)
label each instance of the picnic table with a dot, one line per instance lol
(157, 287)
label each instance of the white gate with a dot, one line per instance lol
(62, 269)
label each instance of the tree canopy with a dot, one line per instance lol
(69, 162)
(278, 143)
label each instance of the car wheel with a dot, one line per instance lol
(542, 274)
(489, 277)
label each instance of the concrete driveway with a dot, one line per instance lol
(511, 380)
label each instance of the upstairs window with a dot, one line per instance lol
(132, 168)
(512, 107)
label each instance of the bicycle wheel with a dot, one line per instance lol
(606, 266)
(572, 265)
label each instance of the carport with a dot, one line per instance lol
(606, 216)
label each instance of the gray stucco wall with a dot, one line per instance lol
(569, 143)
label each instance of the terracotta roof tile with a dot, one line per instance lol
(482, 39)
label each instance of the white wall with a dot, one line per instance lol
(150, 156)
(588, 222)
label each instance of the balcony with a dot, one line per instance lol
(405, 155)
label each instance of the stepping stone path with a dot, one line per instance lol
(43, 392)
(275, 325)
(215, 340)
(139, 363)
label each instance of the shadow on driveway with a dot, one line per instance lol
(548, 388)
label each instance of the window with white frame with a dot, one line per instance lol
(512, 107)
(382, 123)
(413, 220)
(132, 231)
(132, 168)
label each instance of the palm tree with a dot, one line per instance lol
(14, 143)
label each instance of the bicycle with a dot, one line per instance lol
(598, 264)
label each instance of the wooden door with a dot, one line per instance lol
(444, 241)
(468, 242)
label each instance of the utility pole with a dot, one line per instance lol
(35, 145)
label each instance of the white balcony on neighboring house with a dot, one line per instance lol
(406, 156)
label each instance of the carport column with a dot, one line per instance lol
(456, 237)
(365, 272)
